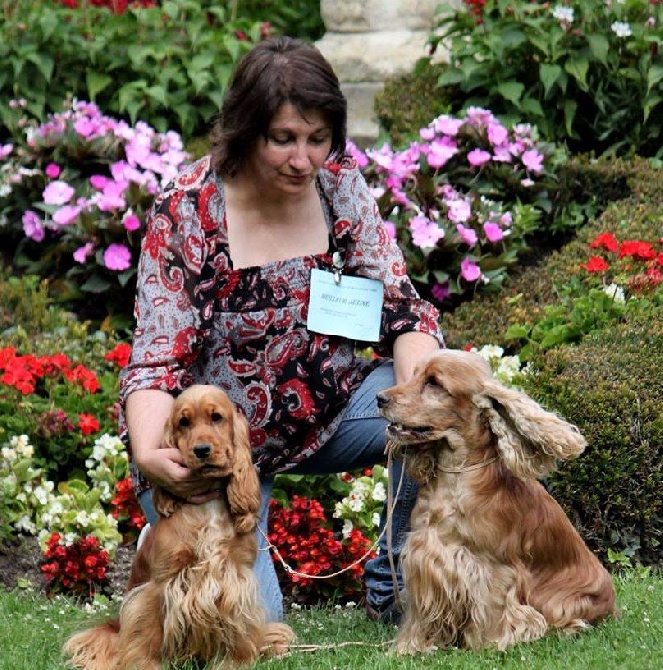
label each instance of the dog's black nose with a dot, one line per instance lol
(382, 399)
(202, 451)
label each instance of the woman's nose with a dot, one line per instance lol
(299, 157)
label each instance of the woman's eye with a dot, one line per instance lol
(280, 140)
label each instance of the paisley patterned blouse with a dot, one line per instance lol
(199, 320)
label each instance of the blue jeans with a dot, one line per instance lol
(359, 442)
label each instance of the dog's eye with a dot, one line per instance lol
(216, 417)
(184, 422)
(431, 381)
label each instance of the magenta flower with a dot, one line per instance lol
(440, 151)
(497, 133)
(447, 125)
(469, 270)
(66, 215)
(468, 235)
(391, 229)
(131, 222)
(33, 226)
(492, 231)
(111, 197)
(5, 150)
(425, 233)
(459, 211)
(98, 181)
(117, 257)
(53, 170)
(533, 160)
(57, 193)
(441, 291)
(477, 157)
(81, 254)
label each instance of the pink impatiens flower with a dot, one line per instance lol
(469, 270)
(131, 222)
(58, 193)
(81, 254)
(492, 231)
(66, 215)
(477, 157)
(440, 151)
(533, 160)
(459, 210)
(468, 235)
(117, 257)
(425, 233)
(33, 226)
(52, 170)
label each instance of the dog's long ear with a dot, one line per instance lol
(243, 488)
(165, 503)
(530, 439)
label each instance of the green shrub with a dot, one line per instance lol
(408, 102)
(611, 386)
(586, 73)
(167, 65)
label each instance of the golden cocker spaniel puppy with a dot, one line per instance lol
(192, 592)
(491, 559)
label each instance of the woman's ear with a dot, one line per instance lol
(243, 488)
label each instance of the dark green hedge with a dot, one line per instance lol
(611, 386)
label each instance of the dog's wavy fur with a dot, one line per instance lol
(491, 559)
(192, 593)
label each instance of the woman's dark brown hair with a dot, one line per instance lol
(277, 71)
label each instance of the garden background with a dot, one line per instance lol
(521, 180)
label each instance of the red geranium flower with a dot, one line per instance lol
(595, 264)
(88, 424)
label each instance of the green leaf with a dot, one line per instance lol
(511, 91)
(578, 68)
(570, 108)
(549, 74)
(517, 332)
(600, 47)
(649, 105)
(654, 76)
(96, 83)
(45, 64)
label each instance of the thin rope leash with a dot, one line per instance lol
(391, 498)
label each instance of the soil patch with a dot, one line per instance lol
(20, 559)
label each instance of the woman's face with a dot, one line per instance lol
(288, 160)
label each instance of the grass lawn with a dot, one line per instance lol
(33, 629)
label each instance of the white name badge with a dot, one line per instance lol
(351, 308)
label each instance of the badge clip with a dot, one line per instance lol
(337, 263)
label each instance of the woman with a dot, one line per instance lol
(225, 296)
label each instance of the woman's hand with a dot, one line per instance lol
(409, 349)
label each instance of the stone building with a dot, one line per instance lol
(366, 42)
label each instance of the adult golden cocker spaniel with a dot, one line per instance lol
(491, 559)
(192, 593)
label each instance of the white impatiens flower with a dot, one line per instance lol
(616, 292)
(564, 14)
(621, 29)
(379, 492)
(376, 519)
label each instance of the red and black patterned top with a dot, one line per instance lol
(199, 320)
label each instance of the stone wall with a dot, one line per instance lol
(366, 42)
